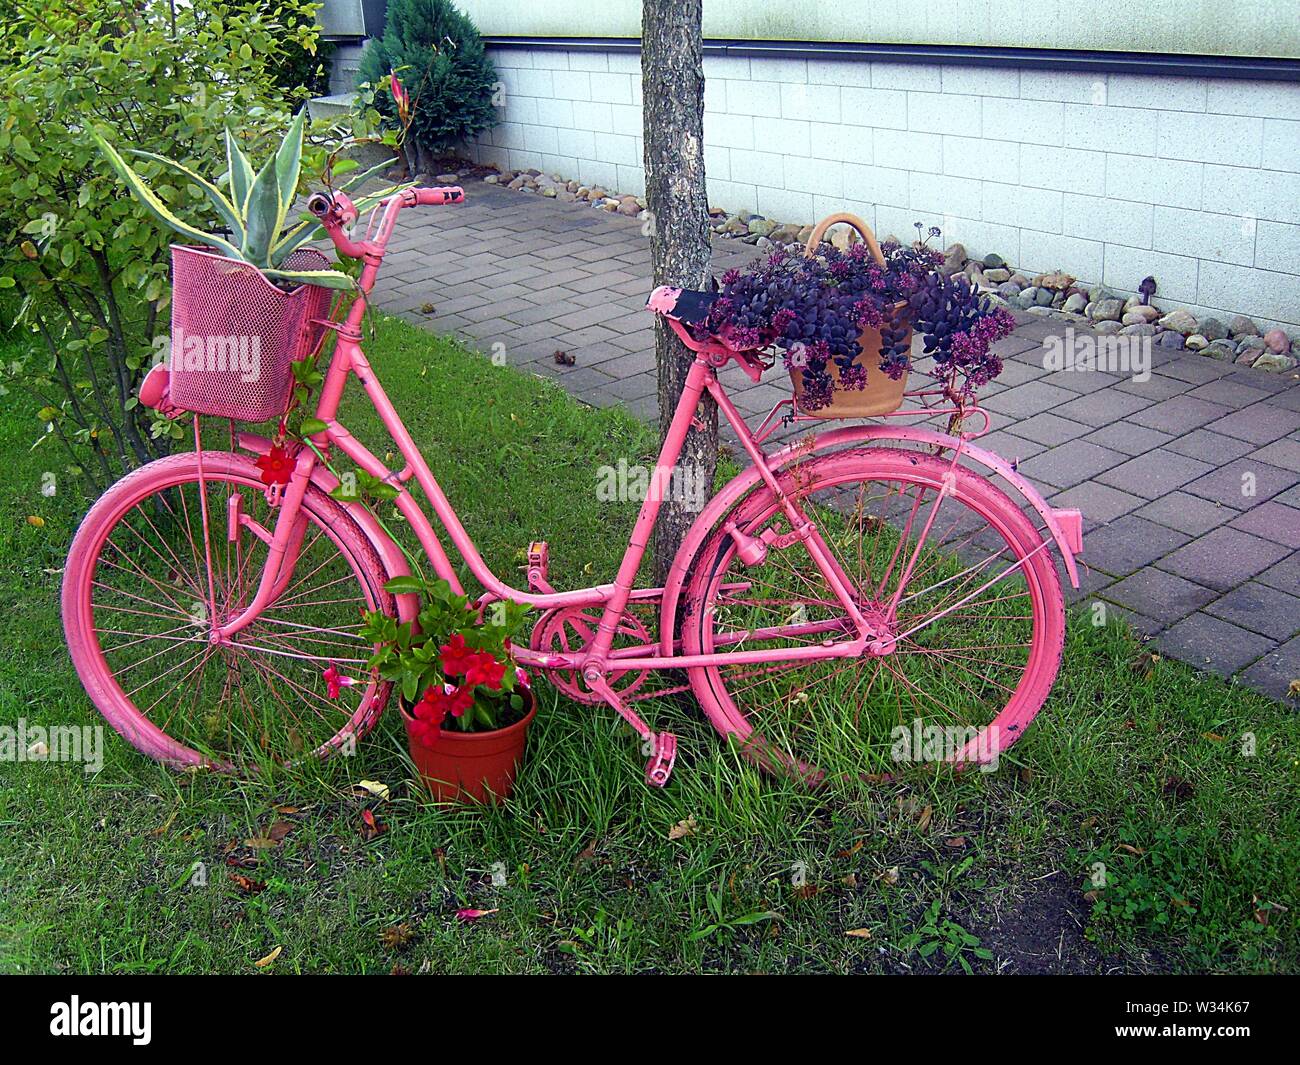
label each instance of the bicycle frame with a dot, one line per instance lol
(591, 661)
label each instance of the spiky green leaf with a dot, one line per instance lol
(324, 278)
(155, 206)
(224, 207)
(240, 171)
(263, 215)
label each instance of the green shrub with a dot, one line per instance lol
(439, 57)
(88, 263)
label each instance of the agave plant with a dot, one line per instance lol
(256, 211)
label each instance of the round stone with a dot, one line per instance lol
(1107, 327)
(1277, 341)
(1223, 350)
(1241, 326)
(997, 276)
(1213, 329)
(1196, 342)
(1076, 303)
(1108, 310)
(1008, 289)
(1171, 339)
(1180, 321)
(995, 261)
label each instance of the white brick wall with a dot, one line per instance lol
(1111, 178)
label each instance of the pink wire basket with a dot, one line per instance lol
(235, 335)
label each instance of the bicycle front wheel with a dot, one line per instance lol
(159, 561)
(954, 580)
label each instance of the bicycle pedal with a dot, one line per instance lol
(663, 755)
(539, 561)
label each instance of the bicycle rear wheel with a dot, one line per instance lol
(972, 622)
(153, 553)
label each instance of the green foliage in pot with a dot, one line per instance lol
(454, 663)
(439, 56)
(255, 208)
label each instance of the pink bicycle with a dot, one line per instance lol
(862, 579)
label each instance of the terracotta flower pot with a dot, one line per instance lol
(881, 394)
(471, 766)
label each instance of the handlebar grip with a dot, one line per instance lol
(439, 196)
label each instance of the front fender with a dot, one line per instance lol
(394, 561)
(1065, 525)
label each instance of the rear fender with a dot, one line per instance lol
(390, 555)
(1065, 525)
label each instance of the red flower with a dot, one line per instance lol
(456, 657)
(400, 97)
(335, 682)
(276, 466)
(460, 699)
(429, 713)
(485, 669)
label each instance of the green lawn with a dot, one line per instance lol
(1135, 764)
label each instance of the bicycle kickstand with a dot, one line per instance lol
(660, 746)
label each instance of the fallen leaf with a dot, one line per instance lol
(474, 915)
(1092, 895)
(426, 308)
(36, 521)
(371, 826)
(923, 822)
(956, 843)
(1216, 738)
(287, 809)
(682, 828)
(563, 358)
(262, 963)
(1179, 788)
(806, 891)
(891, 875)
(850, 881)
(851, 851)
(374, 787)
(1129, 848)
(247, 885)
(1089, 823)
(399, 970)
(859, 933)
(1293, 689)
(398, 936)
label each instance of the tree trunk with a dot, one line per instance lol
(672, 78)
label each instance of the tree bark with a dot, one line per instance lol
(672, 79)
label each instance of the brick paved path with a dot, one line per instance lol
(1172, 542)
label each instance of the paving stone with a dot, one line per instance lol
(1023, 401)
(1274, 673)
(1047, 429)
(1285, 575)
(1164, 595)
(1099, 503)
(1260, 609)
(1261, 423)
(1180, 414)
(1230, 392)
(1155, 388)
(1070, 463)
(1128, 544)
(1213, 645)
(1196, 369)
(1011, 447)
(1101, 408)
(1271, 521)
(1284, 453)
(1209, 447)
(1189, 514)
(1154, 474)
(1243, 484)
(1223, 558)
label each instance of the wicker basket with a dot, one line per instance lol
(235, 335)
(881, 394)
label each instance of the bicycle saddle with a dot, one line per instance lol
(681, 304)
